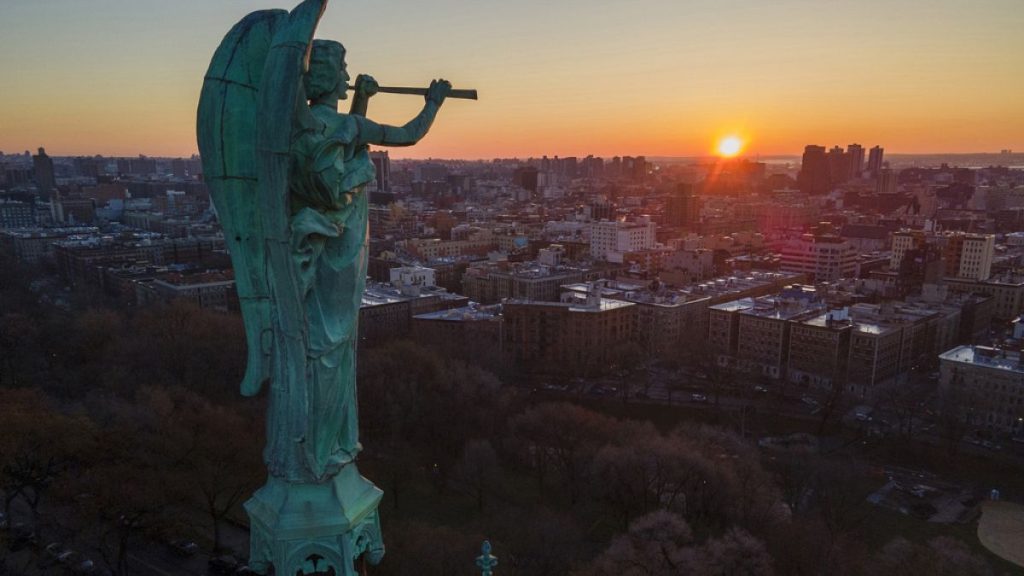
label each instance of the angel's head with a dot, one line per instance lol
(328, 74)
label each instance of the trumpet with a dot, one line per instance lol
(464, 94)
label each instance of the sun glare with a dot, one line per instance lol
(730, 146)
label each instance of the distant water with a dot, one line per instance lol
(1014, 161)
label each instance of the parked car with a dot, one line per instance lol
(698, 398)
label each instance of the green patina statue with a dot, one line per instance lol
(286, 173)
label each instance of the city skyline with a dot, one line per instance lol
(652, 78)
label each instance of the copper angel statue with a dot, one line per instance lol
(287, 172)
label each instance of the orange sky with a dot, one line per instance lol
(653, 77)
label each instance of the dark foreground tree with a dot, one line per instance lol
(477, 472)
(38, 445)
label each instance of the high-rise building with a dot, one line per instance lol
(602, 209)
(964, 256)
(904, 241)
(824, 258)
(875, 160)
(592, 167)
(885, 181)
(838, 165)
(143, 165)
(178, 168)
(855, 154)
(382, 167)
(526, 177)
(814, 171)
(568, 167)
(614, 167)
(610, 240)
(681, 207)
(43, 166)
(968, 255)
(88, 167)
(634, 168)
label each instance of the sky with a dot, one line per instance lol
(555, 77)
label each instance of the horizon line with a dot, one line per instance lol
(1005, 152)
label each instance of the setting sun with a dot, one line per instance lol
(730, 146)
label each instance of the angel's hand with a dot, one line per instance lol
(366, 86)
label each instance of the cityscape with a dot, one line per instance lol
(738, 358)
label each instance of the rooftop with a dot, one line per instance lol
(985, 356)
(734, 284)
(601, 305)
(464, 314)
(378, 294)
(208, 277)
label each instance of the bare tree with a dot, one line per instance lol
(736, 553)
(569, 437)
(211, 451)
(37, 446)
(655, 545)
(126, 500)
(477, 472)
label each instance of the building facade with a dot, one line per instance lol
(822, 258)
(611, 240)
(987, 386)
(575, 338)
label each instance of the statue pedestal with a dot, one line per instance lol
(309, 529)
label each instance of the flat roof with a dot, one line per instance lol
(604, 304)
(984, 356)
(734, 305)
(463, 314)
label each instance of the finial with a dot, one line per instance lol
(485, 561)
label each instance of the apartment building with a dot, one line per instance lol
(823, 258)
(987, 384)
(611, 240)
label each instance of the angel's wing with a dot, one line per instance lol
(226, 129)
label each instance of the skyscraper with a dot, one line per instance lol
(526, 177)
(885, 182)
(855, 156)
(814, 171)
(681, 208)
(838, 165)
(178, 168)
(875, 160)
(43, 166)
(382, 166)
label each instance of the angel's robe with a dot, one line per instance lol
(329, 252)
